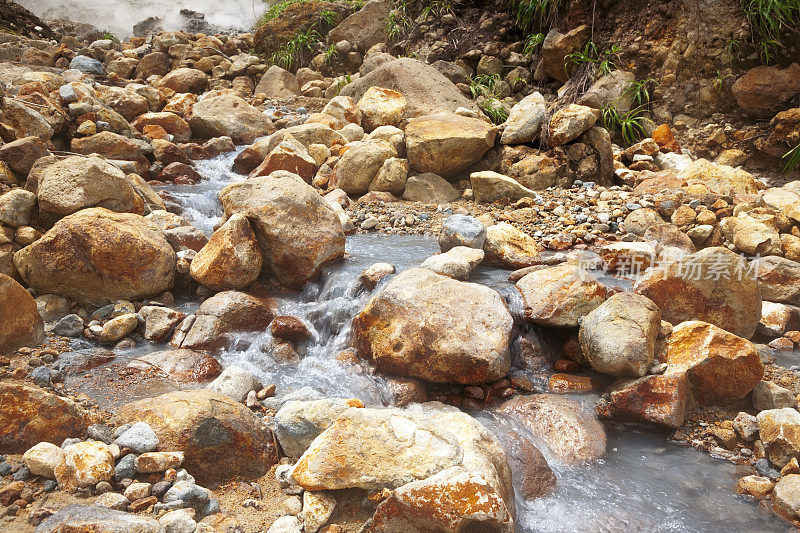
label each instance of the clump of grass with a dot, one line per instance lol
(532, 42)
(495, 110)
(292, 52)
(602, 61)
(536, 13)
(484, 85)
(791, 159)
(437, 8)
(630, 125)
(639, 91)
(110, 36)
(398, 21)
(771, 21)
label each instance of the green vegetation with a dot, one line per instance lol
(437, 8)
(532, 42)
(630, 125)
(330, 53)
(536, 13)
(495, 110)
(484, 85)
(602, 61)
(771, 21)
(720, 79)
(639, 91)
(293, 51)
(792, 159)
(398, 21)
(110, 36)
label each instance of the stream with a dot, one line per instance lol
(645, 484)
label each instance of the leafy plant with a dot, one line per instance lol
(770, 21)
(294, 49)
(630, 125)
(532, 41)
(437, 8)
(484, 85)
(719, 80)
(603, 61)
(639, 91)
(539, 13)
(331, 18)
(110, 36)
(342, 83)
(792, 158)
(734, 48)
(275, 11)
(495, 110)
(398, 21)
(330, 53)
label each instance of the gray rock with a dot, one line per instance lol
(235, 382)
(95, 518)
(525, 120)
(430, 188)
(69, 326)
(125, 468)
(298, 423)
(768, 395)
(100, 432)
(41, 375)
(189, 494)
(461, 230)
(88, 65)
(140, 438)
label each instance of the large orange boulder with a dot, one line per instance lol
(231, 259)
(721, 366)
(20, 322)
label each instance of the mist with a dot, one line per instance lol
(119, 16)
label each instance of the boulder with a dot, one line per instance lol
(768, 395)
(713, 285)
(574, 435)
(43, 459)
(74, 183)
(425, 89)
(224, 313)
(525, 120)
(447, 144)
(360, 165)
(381, 107)
(489, 187)
(77, 517)
(786, 496)
(278, 83)
(560, 296)
(569, 123)
(20, 322)
(18, 121)
(654, 399)
(719, 179)
(391, 177)
(778, 279)
(510, 247)
(85, 464)
(456, 263)
(424, 325)
(184, 80)
(721, 366)
(298, 423)
(228, 115)
(751, 236)
(290, 155)
(235, 383)
(297, 230)
(232, 258)
(779, 430)
(343, 109)
(557, 46)
(172, 124)
(96, 256)
(20, 155)
(613, 89)
(220, 438)
(765, 88)
(31, 415)
(183, 366)
(640, 220)
(461, 230)
(619, 336)
(430, 188)
(108, 144)
(366, 27)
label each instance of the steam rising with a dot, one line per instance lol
(119, 16)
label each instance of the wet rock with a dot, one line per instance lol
(559, 296)
(289, 328)
(489, 187)
(570, 122)
(235, 382)
(619, 336)
(20, 322)
(96, 518)
(185, 366)
(85, 464)
(767, 395)
(96, 256)
(373, 274)
(656, 399)
(713, 285)
(220, 438)
(786, 495)
(298, 423)
(461, 230)
(296, 229)
(721, 366)
(381, 107)
(231, 259)
(228, 115)
(31, 415)
(508, 246)
(423, 325)
(573, 435)
(43, 459)
(224, 313)
(430, 187)
(525, 120)
(118, 328)
(756, 486)
(456, 263)
(447, 144)
(160, 322)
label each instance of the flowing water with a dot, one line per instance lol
(644, 484)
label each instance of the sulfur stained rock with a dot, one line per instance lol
(656, 399)
(232, 258)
